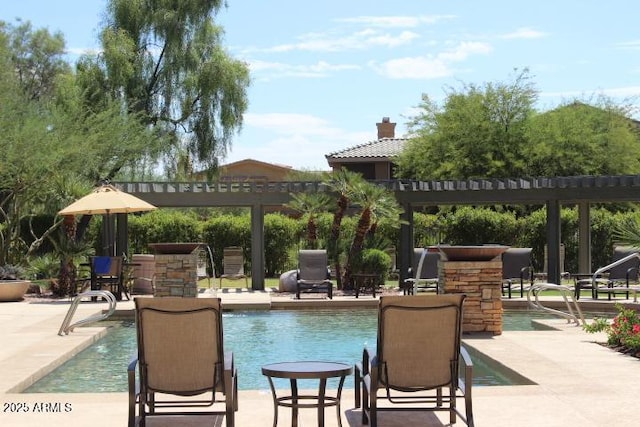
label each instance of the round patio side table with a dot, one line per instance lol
(294, 371)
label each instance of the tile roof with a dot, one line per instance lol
(381, 148)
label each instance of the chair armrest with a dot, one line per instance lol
(131, 368)
(369, 361)
(629, 272)
(526, 273)
(228, 361)
(467, 364)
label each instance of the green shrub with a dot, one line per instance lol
(228, 230)
(280, 236)
(374, 261)
(163, 225)
(478, 226)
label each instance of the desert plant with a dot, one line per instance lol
(11, 272)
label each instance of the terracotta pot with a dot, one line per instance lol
(13, 290)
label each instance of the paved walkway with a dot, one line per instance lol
(577, 382)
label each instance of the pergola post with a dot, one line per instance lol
(553, 242)
(584, 237)
(257, 247)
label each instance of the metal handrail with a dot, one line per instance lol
(634, 291)
(614, 264)
(565, 291)
(67, 327)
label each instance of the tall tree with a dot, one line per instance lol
(165, 60)
(374, 203)
(37, 57)
(49, 138)
(578, 138)
(493, 131)
(311, 205)
(478, 132)
(343, 182)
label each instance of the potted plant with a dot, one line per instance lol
(12, 283)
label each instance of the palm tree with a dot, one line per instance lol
(343, 182)
(374, 202)
(310, 204)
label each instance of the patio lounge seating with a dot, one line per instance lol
(180, 356)
(107, 273)
(619, 277)
(424, 269)
(418, 355)
(313, 274)
(517, 270)
(233, 265)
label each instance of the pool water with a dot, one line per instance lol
(257, 338)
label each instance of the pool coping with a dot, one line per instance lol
(569, 369)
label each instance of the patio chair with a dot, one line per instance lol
(233, 265)
(142, 277)
(181, 361)
(107, 273)
(619, 278)
(313, 273)
(424, 270)
(418, 354)
(517, 270)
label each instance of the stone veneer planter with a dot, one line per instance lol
(13, 290)
(176, 275)
(481, 281)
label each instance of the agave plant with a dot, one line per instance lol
(628, 233)
(11, 272)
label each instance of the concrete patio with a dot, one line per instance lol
(577, 382)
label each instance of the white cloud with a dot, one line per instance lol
(430, 66)
(465, 49)
(270, 70)
(630, 45)
(360, 40)
(525, 33)
(419, 67)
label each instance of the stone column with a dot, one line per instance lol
(176, 275)
(481, 282)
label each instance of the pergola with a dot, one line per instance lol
(551, 192)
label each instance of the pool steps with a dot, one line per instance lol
(67, 326)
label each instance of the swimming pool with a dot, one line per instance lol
(257, 338)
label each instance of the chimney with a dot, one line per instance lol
(386, 129)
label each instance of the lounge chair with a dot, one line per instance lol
(517, 270)
(313, 273)
(233, 265)
(418, 354)
(620, 275)
(107, 273)
(424, 270)
(181, 353)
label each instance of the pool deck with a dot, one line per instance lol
(578, 382)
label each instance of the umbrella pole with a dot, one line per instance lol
(108, 247)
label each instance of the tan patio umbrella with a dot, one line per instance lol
(107, 200)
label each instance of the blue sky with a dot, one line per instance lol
(325, 72)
